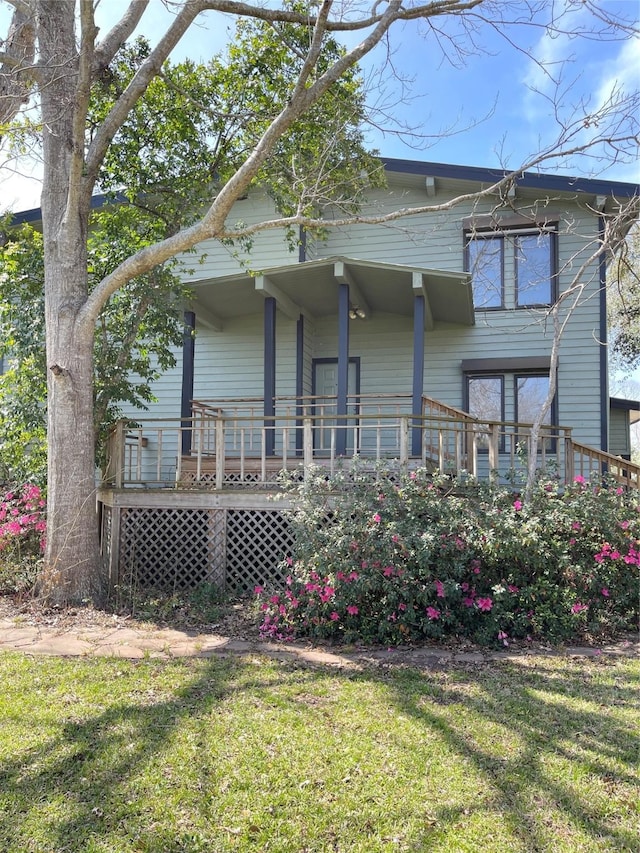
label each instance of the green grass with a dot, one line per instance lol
(236, 754)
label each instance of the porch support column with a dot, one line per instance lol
(343, 368)
(269, 373)
(418, 371)
(299, 383)
(188, 362)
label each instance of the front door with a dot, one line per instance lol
(325, 392)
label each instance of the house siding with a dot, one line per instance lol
(384, 342)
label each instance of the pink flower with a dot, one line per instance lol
(579, 479)
(388, 571)
(377, 518)
(353, 576)
(517, 505)
(289, 561)
(258, 590)
(352, 610)
(402, 606)
(468, 601)
(513, 589)
(395, 538)
(334, 616)
(439, 589)
(502, 635)
(578, 607)
(575, 525)
(605, 592)
(624, 525)
(484, 604)
(433, 613)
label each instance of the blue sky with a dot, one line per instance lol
(484, 102)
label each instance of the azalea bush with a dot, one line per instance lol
(409, 557)
(22, 530)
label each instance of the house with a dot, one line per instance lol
(426, 340)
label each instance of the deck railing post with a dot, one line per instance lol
(307, 443)
(118, 451)
(494, 450)
(568, 458)
(404, 440)
(219, 453)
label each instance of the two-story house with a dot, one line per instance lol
(427, 340)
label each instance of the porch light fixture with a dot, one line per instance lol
(356, 313)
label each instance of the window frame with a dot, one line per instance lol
(509, 234)
(553, 266)
(469, 376)
(472, 236)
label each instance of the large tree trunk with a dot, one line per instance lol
(72, 570)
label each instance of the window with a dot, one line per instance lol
(512, 268)
(534, 269)
(510, 397)
(485, 262)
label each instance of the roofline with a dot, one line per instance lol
(532, 180)
(24, 217)
(477, 174)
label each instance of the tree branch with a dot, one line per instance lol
(117, 35)
(17, 58)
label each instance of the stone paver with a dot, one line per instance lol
(135, 643)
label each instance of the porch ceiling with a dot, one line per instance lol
(311, 288)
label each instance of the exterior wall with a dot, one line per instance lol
(268, 248)
(437, 241)
(619, 432)
(384, 342)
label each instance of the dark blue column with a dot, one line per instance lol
(188, 365)
(343, 367)
(270, 372)
(299, 382)
(418, 372)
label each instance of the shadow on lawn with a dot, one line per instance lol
(78, 782)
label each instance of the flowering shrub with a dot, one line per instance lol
(403, 558)
(22, 529)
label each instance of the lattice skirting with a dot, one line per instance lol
(179, 548)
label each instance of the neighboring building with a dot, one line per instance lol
(375, 340)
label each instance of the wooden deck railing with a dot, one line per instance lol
(231, 446)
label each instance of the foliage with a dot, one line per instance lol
(404, 558)
(22, 527)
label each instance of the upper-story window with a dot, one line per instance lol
(486, 265)
(512, 267)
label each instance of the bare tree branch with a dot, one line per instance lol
(17, 61)
(117, 35)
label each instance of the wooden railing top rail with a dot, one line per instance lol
(451, 411)
(606, 459)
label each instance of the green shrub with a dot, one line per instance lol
(404, 558)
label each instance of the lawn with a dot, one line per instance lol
(250, 754)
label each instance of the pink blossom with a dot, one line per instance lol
(484, 604)
(578, 607)
(439, 589)
(388, 571)
(395, 538)
(258, 590)
(502, 635)
(624, 525)
(433, 613)
(289, 561)
(412, 475)
(579, 479)
(513, 589)
(605, 592)
(402, 606)
(575, 525)
(517, 505)
(353, 576)
(468, 601)
(377, 518)
(334, 616)
(352, 610)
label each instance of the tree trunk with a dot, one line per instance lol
(72, 568)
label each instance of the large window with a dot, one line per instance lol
(512, 268)
(510, 397)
